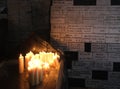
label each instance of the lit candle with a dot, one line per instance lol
(31, 76)
(27, 58)
(21, 64)
(46, 69)
(34, 67)
(37, 76)
(41, 74)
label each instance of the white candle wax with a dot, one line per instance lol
(41, 74)
(32, 77)
(27, 58)
(21, 64)
(37, 76)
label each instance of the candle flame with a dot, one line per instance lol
(46, 66)
(42, 60)
(21, 56)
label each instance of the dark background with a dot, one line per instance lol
(19, 20)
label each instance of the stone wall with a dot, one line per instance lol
(89, 34)
(24, 18)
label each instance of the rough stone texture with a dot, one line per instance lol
(92, 32)
(36, 45)
(25, 17)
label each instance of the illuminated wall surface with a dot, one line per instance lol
(89, 33)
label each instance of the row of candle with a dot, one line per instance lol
(23, 62)
(37, 64)
(35, 72)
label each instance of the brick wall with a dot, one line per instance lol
(89, 33)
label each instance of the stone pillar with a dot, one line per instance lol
(26, 17)
(19, 23)
(41, 17)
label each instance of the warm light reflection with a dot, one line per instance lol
(42, 60)
(38, 65)
(46, 66)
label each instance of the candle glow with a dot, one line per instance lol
(43, 60)
(21, 64)
(39, 64)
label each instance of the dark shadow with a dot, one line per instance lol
(3, 36)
